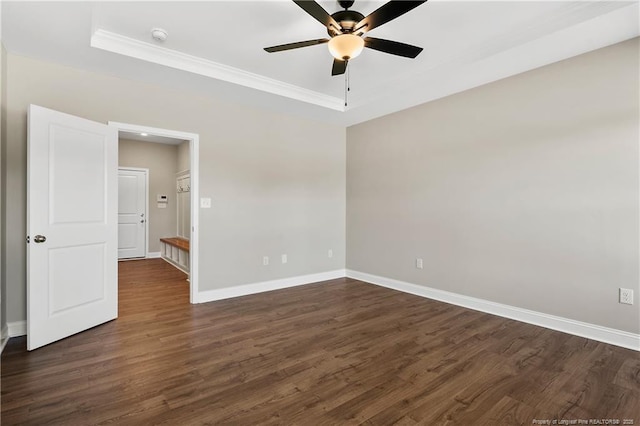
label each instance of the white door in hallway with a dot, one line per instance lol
(132, 213)
(72, 265)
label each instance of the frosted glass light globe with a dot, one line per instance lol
(346, 46)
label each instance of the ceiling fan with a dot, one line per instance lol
(346, 28)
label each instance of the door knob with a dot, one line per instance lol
(142, 221)
(39, 239)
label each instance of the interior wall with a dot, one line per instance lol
(522, 192)
(161, 160)
(277, 182)
(3, 188)
(184, 157)
(184, 199)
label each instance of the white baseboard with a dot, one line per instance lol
(566, 325)
(247, 289)
(153, 255)
(4, 337)
(17, 328)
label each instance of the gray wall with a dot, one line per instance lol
(161, 160)
(277, 182)
(522, 192)
(184, 157)
(3, 188)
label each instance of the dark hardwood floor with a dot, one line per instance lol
(334, 353)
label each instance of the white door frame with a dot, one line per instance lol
(194, 153)
(146, 204)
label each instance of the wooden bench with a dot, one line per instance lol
(175, 250)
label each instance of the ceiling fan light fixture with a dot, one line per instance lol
(346, 46)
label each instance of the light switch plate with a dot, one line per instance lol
(205, 203)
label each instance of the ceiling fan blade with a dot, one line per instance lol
(317, 12)
(296, 45)
(339, 67)
(392, 47)
(386, 13)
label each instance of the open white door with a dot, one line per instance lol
(72, 276)
(132, 213)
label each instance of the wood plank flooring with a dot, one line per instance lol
(340, 352)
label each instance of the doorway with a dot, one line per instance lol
(175, 200)
(72, 226)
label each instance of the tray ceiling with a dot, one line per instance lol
(216, 47)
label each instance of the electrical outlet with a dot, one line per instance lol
(419, 263)
(265, 260)
(330, 253)
(626, 296)
(284, 258)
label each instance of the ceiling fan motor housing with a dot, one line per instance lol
(347, 20)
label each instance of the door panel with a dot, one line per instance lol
(72, 281)
(132, 213)
(77, 176)
(127, 237)
(67, 288)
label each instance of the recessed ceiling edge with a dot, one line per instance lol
(117, 43)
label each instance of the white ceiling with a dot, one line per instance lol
(216, 48)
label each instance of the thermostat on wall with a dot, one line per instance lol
(162, 198)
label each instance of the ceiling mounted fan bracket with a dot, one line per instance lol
(345, 4)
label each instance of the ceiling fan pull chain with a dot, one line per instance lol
(346, 86)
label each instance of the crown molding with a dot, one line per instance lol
(127, 46)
